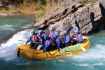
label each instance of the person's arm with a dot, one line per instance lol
(58, 42)
(29, 39)
(47, 44)
(40, 39)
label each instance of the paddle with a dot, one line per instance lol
(20, 40)
(83, 49)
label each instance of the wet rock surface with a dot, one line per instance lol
(88, 18)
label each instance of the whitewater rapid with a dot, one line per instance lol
(94, 53)
(8, 49)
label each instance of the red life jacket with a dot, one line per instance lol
(34, 38)
(52, 41)
(60, 38)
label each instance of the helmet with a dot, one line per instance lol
(78, 32)
(33, 31)
(40, 31)
(51, 29)
(64, 32)
(56, 33)
(71, 27)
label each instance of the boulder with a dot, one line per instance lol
(87, 17)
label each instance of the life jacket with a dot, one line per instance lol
(46, 36)
(56, 33)
(60, 38)
(67, 39)
(64, 32)
(80, 39)
(34, 38)
(52, 41)
(58, 42)
(46, 45)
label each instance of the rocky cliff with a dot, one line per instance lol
(88, 17)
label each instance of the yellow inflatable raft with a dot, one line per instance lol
(27, 52)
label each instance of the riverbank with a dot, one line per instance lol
(87, 15)
(34, 9)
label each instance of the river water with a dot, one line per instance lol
(11, 25)
(92, 59)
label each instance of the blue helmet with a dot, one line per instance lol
(78, 32)
(56, 33)
(33, 31)
(71, 27)
(64, 32)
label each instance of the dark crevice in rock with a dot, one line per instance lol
(102, 10)
(98, 25)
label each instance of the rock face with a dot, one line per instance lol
(88, 18)
(102, 7)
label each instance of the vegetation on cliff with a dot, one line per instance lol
(36, 8)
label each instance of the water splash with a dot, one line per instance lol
(96, 53)
(7, 27)
(8, 49)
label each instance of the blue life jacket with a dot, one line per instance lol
(46, 36)
(47, 44)
(40, 38)
(67, 39)
(64, 32)
(58, 42)
(56, 33)
(80, 39)
(75, 29)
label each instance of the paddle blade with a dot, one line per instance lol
(83, 49)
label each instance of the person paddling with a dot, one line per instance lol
(33, 40)
(58, 41)
(77, 33)
(47, 43)
(66, 38)
(79, 37)
(40, 39)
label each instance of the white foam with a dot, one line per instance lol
(90, 64)
(96, 53)
(8, 49)
(98, 64)
(82, 65)
(27, 26)
(7, 27)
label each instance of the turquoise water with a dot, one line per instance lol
(10, 25)
(92, 59)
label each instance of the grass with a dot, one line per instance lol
(86, 1)
(30, 9)
(36, 10)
